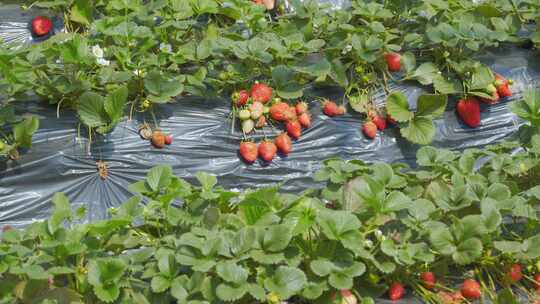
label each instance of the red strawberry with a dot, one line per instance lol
(261, 122)
(469, 111)
(168, 139)
(41, 26)
(267, 150)
(158, 139)
(278, 110)
(393, 61)
(471, 289)
(283, 143)
(301, 107)
(379, 122)
(331, 109)
(305, 120)
(240, 98)
(248, 151)
(537, 282)
(261, 92)
(428, 278)
(493, 100)
(290, 114)
(396, 291)
(294, 129)
(370, 129)
(515, 274)
(504, 91)
(500, 80)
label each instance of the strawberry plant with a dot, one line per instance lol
(445, 231)
(161, 50)
(15, 132)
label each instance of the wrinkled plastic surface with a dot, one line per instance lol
(60, 160)
(15, 29)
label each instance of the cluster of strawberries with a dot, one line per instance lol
(376, 123)
(468, 109)
(156, 137)
(256, 109)
(470, 289)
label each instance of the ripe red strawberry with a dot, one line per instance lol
(331, 109)
(261, 122)
(278, 111)
(283, 143)
(500, 81)
(369, 129)
(428, 278)
(379, 122)
(393, 61)
(240, 98)
(158, 139)
(537, 282)
(261, 92)
(504, 91)
(493, 100)
(469, 111)
(305, 120)
(301, 107)
(294, 129)
(248, 151)
(41, 26)
(396, 291)
(267, 150)
(290, 114)
(515, 274)
(168, 139)
(471, 289)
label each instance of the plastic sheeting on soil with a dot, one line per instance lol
(59, 160)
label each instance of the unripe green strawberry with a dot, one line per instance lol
(248, 125)
(244, 114)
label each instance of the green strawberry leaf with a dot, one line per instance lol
(24, 130)
(468, 251)
(115, 102)
(419, 130)
(286, 281)
(91, 110)
(431, 105)
(425, 73)
(398, 107)
(159, 177)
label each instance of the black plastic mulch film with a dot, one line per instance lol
(59, 160)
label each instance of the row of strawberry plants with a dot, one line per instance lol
(460, 227)
(118, 57)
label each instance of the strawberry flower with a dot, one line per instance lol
(98, 52)
(165, 47)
